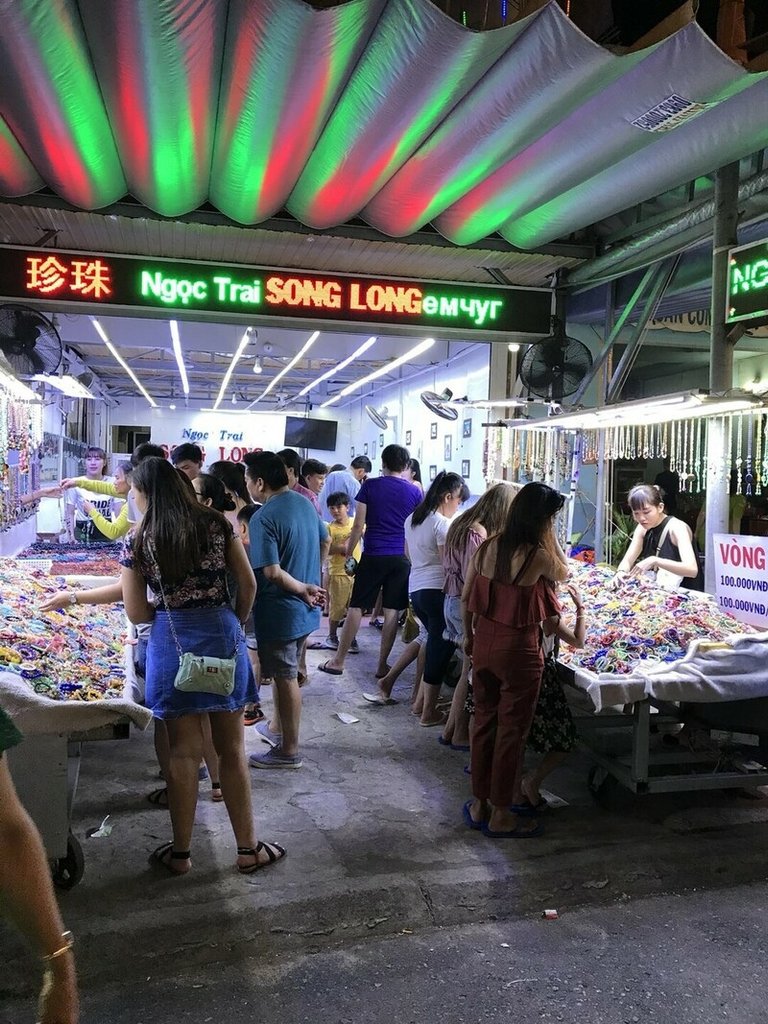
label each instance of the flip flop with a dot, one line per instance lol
(515, 833)
(444, 742)
(469, 821)
(330, 671)
(374, 698)
(158, 797)
(463, 747)
(523, 810)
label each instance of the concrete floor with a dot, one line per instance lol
(387, 907)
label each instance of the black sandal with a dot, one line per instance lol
(158, 797)
(164, 854)
(274, 852)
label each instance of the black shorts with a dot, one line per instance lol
(375, 572)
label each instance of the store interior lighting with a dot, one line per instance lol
(288, 366)
(176, 340)
(67, 384)
(246, 338)
(682, 406)
(339, 366)
(387, 368)
(15, 388)
(116, 355)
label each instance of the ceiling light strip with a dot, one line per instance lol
(387, 368)
(289, 366)
(230, 369)
(179, 357)
(339, 366)
(103, 335)
(14, 387)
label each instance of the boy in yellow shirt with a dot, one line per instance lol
(339, 582)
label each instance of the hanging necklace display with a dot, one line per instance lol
(736, 455)
(748, 474)
(664, 442)
(672, 453)
(758, 463)
(682, 468)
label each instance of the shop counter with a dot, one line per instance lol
(670, 693)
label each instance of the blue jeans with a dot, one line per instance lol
(428, 606)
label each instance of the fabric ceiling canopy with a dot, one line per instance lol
(386, 110)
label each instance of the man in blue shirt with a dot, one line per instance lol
(348, 481)
(288, 543)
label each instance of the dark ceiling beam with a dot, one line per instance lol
(285, 223)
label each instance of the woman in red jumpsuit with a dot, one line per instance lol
(507, 594)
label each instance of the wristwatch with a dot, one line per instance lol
(73, 597)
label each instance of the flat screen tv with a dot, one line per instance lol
(305, 433)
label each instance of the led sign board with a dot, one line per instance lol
(132, 282)
(747, 297)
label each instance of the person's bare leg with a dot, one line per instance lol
(388, 634)
(209, 750)
(185, 736)
(417, 697)
(531, 783)
(457, 726)
(348, 634)
(227, 730)
(408, 655)
(162, 747)
(429, 713)
(287, 697)
(376, 614)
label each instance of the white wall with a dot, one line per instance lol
(224, 434)
(466, 375)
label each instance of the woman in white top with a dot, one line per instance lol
(425, 532)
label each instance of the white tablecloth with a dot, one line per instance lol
(736, 669)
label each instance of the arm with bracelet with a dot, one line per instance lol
(28, 898)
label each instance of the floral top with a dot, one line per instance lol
(206, 588)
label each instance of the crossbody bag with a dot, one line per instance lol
(199, 673)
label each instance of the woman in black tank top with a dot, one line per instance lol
(660, 543)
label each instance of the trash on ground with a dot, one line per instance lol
(597, 883)
(346, 718)
(550, 915)
(102, 831)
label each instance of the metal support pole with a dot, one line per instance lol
(720, 360)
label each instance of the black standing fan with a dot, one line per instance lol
(28, 340)
(554, 367)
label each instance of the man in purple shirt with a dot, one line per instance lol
(381, 507)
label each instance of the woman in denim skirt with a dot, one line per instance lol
(181, 551)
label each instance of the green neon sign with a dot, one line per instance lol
(747, 297)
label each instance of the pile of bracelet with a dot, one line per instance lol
(639, 620)
(75, 654)
(76, 559)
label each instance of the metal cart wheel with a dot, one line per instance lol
(67, 871)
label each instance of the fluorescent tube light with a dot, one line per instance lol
(16, 388)
(289, 366)
(67, 384)
(339, 366)
(103, 335)
(387, 368)
(179, 356)
(247, 333)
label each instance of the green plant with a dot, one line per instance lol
(622, 526)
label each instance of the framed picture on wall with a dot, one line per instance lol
(381, 440)
(466, 428)
(373, 450)
(465, 468)
(448, 447)
(433, 431)
(407, 437)
(352, 452)
(365, 448)
(432, 472)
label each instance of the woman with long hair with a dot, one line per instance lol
(413, 473)
(467, 532)
(181, 551)
(425, 532)
(232, 475)
(507, 595)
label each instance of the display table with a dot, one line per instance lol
(65, 678)
(653, 662)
